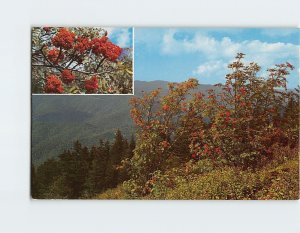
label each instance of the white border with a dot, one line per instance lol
(133, 56)
(20, 214)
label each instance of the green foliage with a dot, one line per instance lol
(204, 180)
(281, 183)
(82, 172)
(114, 193)
(226, 183)
(95, 182)
(132, 189)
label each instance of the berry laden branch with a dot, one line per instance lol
(74, 60)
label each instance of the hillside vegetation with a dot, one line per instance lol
(207, 181)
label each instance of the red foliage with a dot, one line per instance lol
(64, 39)
(67, 76)
(199, 95)
(218, 151)
(243, 90)
(194, 156)
(53, 54)
(206, 150)
(53, 85)
(91, 85)
(166, 107)
(82, 44)
(106, 48)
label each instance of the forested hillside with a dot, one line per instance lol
(82, 172)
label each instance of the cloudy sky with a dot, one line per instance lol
(120, 36)
(174, 54)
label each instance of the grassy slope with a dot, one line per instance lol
(275, 181)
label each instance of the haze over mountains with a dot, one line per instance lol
(58, 121)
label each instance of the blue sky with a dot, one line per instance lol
(120, 36)
(175, 54)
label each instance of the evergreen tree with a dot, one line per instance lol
(115, 156)
(45, 176)
(74, 168)
(95, 182)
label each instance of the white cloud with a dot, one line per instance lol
(217, 52)
(225, 47)
(123, 38)
(169, 44)
(210, 67)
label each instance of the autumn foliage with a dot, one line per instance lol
(238, 124)
(77, 55)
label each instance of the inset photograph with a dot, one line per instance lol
(82, 60)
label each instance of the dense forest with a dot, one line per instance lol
(240, 143)
(82, 172)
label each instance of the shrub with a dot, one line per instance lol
(237, 126)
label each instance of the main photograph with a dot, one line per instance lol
(214, 116)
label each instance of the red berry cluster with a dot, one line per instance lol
(54, 56)
(64, 39)
(165, 144)
(91, 85)
(97, 44)
(243, 91)
(82, 44)
(53, 85)
(226, 115)
(106, 48)
(206, 151)
(67, 76)
(166, 108)
(112, 51)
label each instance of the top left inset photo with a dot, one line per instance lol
(82, 60)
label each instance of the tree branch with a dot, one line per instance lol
(102, 60)
(59, 54)
(79, 71)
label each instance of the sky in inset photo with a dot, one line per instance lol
(120, 36)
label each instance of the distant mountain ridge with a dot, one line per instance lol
(58, 121)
